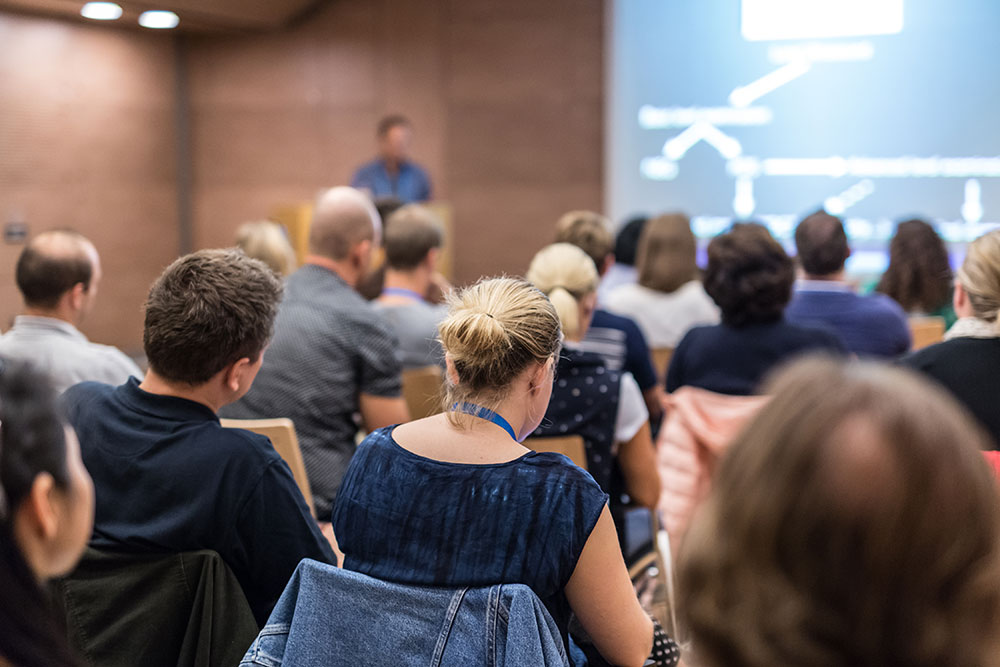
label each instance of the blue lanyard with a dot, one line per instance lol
(402, 291)
(487, 414)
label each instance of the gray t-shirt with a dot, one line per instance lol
(416, 327)
(59, 349)
(329, 346)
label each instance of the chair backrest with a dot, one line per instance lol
(155, 610)
(422, 391)
(281, 432)
(661, 360)
(570, 445)
(926, 331)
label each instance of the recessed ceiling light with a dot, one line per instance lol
(158, 19)
(101, 11)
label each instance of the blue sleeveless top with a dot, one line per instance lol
(405, 518)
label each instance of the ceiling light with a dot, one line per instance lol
(101, 11)
(158, 19)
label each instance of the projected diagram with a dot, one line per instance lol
(716, 125)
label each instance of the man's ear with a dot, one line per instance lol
(609, 259)
(38, 507)
(361, 254)
(77, 296)
(431, 260)
(233, 374)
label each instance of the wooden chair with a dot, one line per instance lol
(926, 330)
(661, 360)
(281, 432)
(422, 391)
(570, 445)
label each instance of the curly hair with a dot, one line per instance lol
(919, 275)
(749, 275)
(853, 523)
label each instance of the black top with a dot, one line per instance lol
(169, 478)
(734, 360)
(970, 369)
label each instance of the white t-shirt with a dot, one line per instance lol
(664, 317)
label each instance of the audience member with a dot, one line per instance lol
(615, 338)
(750, 278)
(332, 355)
(268, 242)
(668, 299)
(456, 500)
(588, 399)
(967, 363)
(413, 240)
(623, 271)
(370, 284)
(919, 275)
(57, 274)
(168, 476)
(392, 173)
(46, 513)
(852, 524)
(870, 326)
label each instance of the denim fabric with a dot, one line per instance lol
(328, 617)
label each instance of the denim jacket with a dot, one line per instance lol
(328, 617)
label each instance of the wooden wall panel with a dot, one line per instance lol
(87, 141)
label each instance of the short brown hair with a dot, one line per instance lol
(589, 231)
(494, 330)
(206, 311)
(749, 275)
(667, 253)
(410, 233)
(50, 265)
(853, 523)
(389, 122)
(821, 244)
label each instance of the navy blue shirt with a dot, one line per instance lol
(620, 342)
(169, 478)
(409, 519)
(870, 326)
(411, 184)
(734, 360)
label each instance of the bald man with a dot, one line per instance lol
(332, 356)
(58, 273)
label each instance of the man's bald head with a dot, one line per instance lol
(52, 264)
(343, 218)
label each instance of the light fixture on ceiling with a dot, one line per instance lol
(101, 11)
(158, 20)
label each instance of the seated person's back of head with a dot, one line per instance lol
(168, 477)
(46, 515)
(750, 277)
(853, 523)
(268, 242)
(918, 277)
(872, 326)
(413, 239)
(58, 274)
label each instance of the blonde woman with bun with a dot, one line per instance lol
(456, 500)
(605, 407)
(967, 363)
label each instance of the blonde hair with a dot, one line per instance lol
(589, 231)
(565, 273)
(666, 258)
(980, 276)
(493, 331)
(266, 241)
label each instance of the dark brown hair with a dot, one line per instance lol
(389, 122)
(43, 276)
(919, 275)
(749, 275)
(206, 311)
(853, 523)
(821, 244)
(411, 232)
(667, 253)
